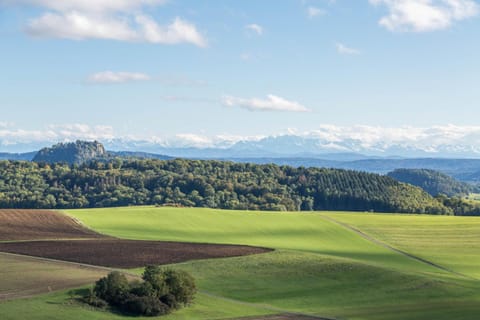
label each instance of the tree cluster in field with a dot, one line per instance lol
(213, 184)
(434, 182)
(161, 292)
(461, 207)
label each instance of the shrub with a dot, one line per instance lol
(91, 299)
(146, 305)
(112, 288)
(161, 292)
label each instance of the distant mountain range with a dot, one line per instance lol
(27, 156)
(288, 146)
(355, 144)
(269, 150)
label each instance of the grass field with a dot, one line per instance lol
(453, 242)
(59, 306)
(320, 267)
(24, 276)
(304, 232)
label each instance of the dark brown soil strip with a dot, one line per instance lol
(126, 253)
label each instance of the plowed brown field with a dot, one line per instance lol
(22, 276)
(118, 253)
(41, 225)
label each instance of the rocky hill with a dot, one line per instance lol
(72, 153)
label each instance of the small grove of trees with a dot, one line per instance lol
(461, 207)
(161, 292)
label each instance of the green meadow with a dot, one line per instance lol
(305, 232)
(453, 242)
(320, 266)
(61, 306)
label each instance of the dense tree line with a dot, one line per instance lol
(434, 182)
(461, 206)
(212, 184)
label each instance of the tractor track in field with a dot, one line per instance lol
(389, 247)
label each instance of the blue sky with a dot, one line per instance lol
(232, 69)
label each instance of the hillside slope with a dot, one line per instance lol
(434, 182)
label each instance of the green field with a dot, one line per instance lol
(23, 276)
(304, 232)
(453, 242)
(61, 306)
(320, 267)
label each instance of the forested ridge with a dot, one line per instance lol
(434, 182)
(213, 184)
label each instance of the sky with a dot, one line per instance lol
(206, 72)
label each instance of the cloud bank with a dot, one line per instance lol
(270, 103)
(435, 141)
(425, 15)
(117, 77)
(121, 20)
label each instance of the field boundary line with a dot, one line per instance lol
(387, 246)
(83, 225)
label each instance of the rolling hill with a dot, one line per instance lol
(434, 182)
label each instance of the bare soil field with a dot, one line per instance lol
(118, 253)
(26, 276)
(16, 225)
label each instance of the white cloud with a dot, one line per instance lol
(425, 15)
(177, 32)
(6, 124)
(55, 133)
(81, 26)
(436, 139)
(117, 77)
(255, 28)
(313, 12)
(97, 6)
(120, 20)
(78, 26)
(343, 49)
(270, 103)
(445, 140)
(192, 140)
